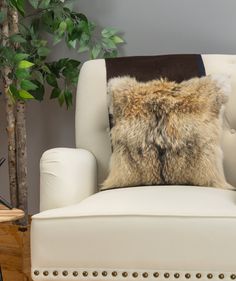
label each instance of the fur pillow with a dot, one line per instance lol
(167, 133)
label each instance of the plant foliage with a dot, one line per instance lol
(26, 52)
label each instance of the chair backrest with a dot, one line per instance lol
(92, 120)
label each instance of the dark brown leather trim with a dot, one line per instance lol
(174, 67)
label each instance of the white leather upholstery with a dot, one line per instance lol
(66, 177)
(142, 233)
(226, 64)
(91, 105)
(166, 228)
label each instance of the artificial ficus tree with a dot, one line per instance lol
(26, 70)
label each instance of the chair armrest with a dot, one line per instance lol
(67, 176)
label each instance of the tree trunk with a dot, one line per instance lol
(22, 159)
(21, 148)
(10, 117)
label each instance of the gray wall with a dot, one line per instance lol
(149, 27)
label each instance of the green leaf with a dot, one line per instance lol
(108, 32)
(83, 49)
(19, 5)
(20, 56)
(34, 3)
(68, 98)
(108, 44)
(72, 63)
(72, 44)
(111, 54)
(46, 69)
(39, 92)
(52, 81)
(38, 43)
(75, 34)
(117, 39)
(55, 93)
(82, 17)
(38, 76)
(22, 73)
(43, 51)
(28, 85)
(62, 28)
(44, 4)
(96, 50)
(56, 39)
(13, 91)
(25, 95)
(69, 25)
(25, 64)
(61, 99)
(17, 38)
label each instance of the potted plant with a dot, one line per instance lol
(26, 36)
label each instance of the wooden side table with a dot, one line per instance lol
(7, 215)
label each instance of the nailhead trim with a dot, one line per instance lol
(134, 274)
(187, 275)
(145, 275)
(176, 275)
(65, 273)
(45, 273)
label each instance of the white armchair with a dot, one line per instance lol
(141, 233)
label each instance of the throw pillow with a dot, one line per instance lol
(167, 133)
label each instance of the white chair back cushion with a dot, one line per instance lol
(92, 121)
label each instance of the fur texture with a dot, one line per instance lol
(166, 133)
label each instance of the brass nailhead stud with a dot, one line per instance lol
(135, 274)
(209, 276)
(45, 273)
(36, 272)
(145, 275)
(233, 276)
(166, 275)
(176, 275)
(221, 276)
(65, 273)
(104, 273)
(114, 273)
(55, 273)
(95, 273)
(85, 273)
(124, 274)
(198, 275)
(187, 275)
(75, 273)
(156, 274)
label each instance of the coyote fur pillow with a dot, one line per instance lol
(167, 133)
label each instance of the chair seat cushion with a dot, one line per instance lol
(151, 227)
